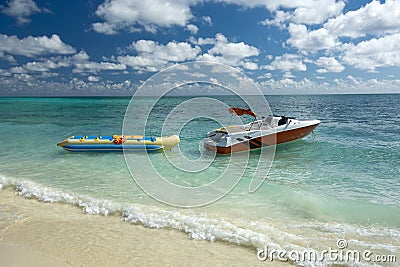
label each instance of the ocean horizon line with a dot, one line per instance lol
(189, 95)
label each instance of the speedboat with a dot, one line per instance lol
(110, 143)
(268, 131)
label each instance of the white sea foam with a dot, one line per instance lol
(341, 228)
(30, 189)
(201, 226)
(4, 182)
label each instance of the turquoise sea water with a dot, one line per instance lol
(343, 184)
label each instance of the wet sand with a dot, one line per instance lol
(33, 233)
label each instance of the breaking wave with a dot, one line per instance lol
(201, 226)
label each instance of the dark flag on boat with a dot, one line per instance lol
(242, 111)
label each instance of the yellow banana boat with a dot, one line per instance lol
(110, 143)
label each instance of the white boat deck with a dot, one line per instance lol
(258, 125)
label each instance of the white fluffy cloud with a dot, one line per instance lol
(287, 63)
(229, 53)
(132, 14)
(343, 85)
(95, 67)
(93, 79)
(316, 12)
(277, 4)
(374, 18)
(303, 12)
(43, 66)
(34, 46)
(248, 65)
(172, 51)
(152, 56)
(18, 70)
(328, 64)
(377, 22)
(80, 63)
(374, 53)
(21, 10)
(298, 11)
(193, 29)
(135, 14)
(232, 50)
(103, 27)
(202, 41)
(208, 20)
(303, 39)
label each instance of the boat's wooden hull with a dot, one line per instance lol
(272, 139)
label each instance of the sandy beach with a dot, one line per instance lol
(45, 234)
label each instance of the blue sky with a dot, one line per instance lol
(110, 47)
